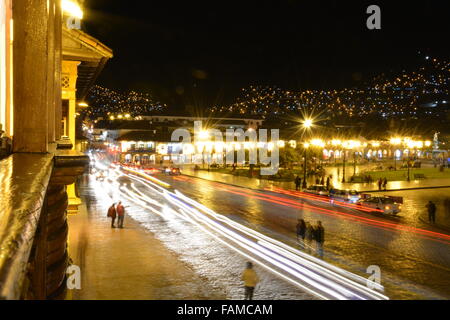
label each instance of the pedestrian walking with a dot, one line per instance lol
(250, 279)
(431, 211)
(298, 183)
(322, 181)
(317, 180)
(120, 214)
(384, 183)
(309, 236)
(112, 214)
(380, 183)
(320, 238)
(301, 232)
(328, 183)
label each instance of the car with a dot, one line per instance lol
(351, 196)
(174, 171)
(318, 189)
(151, 170)
(387, 205)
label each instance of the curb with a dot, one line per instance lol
(406, 189)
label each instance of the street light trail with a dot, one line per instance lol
(435, 236)
(324, 282)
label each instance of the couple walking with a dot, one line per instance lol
(307, 233)
(118, 211)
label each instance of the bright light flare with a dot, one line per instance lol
(72, 8)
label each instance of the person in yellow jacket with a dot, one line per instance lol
(250, 279)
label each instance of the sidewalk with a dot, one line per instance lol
(125, 263)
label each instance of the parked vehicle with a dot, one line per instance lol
(387, 205)
(351, 196)
(318, 189)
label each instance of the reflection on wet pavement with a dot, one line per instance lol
(413, 265)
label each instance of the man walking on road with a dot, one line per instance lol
(250, 279)
(431, 211)
(320, 238)
(120, 214)
(112, 214)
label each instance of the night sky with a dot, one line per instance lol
(196, 53)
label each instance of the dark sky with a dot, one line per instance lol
(201, 53)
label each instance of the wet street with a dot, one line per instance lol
(169, 253)
(189, 221)
(414, 258)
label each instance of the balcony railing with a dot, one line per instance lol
(33, 226)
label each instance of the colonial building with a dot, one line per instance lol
(38, 98)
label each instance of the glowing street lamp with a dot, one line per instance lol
(307, 123)
(72, 8)
(203, 134)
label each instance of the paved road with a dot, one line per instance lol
(209, 257)
(414, 260)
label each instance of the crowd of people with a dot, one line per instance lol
(307, 234)
(319, 180)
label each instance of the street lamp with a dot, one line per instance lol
(395, 142)
(307, 123)
(343, 167)
(305, 146)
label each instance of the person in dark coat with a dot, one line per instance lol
(328, 183)
(380, 184)
(112, 214)
(309, 236)
(431, 211)
(384, 184)
(301, 232)
(320, 238)
(298, 183)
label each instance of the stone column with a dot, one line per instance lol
(58, 66)
(30, 61)
(51, 66)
